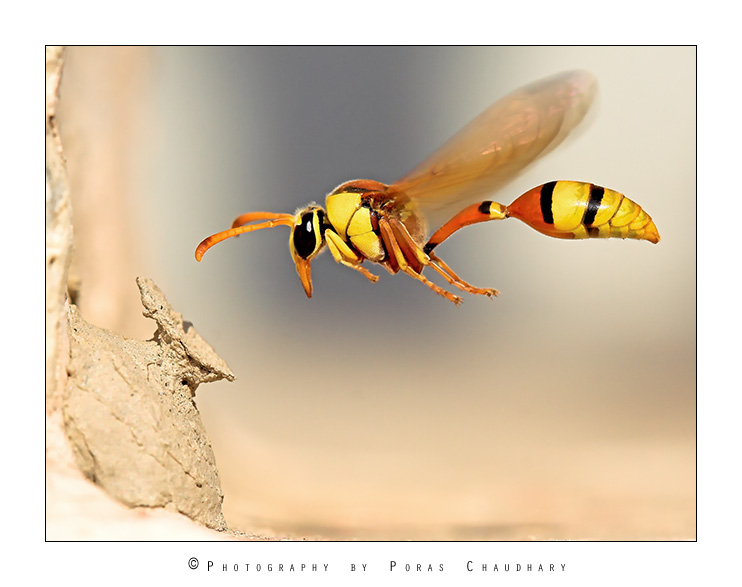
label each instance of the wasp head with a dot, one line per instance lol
(306, 241)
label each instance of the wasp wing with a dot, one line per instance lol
(499, 143)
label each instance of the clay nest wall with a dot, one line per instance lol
(127, 456)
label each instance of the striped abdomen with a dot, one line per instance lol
(571, 209)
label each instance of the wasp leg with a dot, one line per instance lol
(393, 247)
(441, 267)
(342, 253)
(411, 250)
(480, 212)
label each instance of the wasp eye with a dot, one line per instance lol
(306, 237)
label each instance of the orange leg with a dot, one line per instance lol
(342, 253)
(393, 248)
(413, 252)
(448, 274)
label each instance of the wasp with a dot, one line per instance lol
(365, 220)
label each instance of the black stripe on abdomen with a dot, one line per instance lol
(547, 191)
(593, 204)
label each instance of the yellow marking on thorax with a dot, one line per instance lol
(340, 208)
(360, 222)
(361, 234)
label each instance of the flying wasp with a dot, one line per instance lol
(385, 224)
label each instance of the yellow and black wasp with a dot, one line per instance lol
(368, 220)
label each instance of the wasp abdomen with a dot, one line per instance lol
(571, 209)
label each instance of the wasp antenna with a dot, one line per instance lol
(251, 216)
(207, 243)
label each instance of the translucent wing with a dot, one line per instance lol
(499, 143)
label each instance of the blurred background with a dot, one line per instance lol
(565, 408)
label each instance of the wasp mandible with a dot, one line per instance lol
(385, 224)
